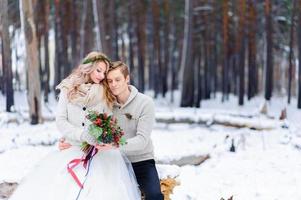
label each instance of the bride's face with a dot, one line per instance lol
(99, 72)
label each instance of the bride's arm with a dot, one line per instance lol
(63, 145)
(65, 127)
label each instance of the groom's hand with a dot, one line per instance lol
(64, 145)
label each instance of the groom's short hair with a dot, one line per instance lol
(121, 66)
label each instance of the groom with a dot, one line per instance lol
(136, 116)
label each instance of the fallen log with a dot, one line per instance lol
(186, 160)
(256, 122)
(21, 119)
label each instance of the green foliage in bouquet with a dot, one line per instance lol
(104, 129)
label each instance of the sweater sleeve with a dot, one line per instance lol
(65, 127)
(144, 128)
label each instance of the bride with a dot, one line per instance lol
(110, 175)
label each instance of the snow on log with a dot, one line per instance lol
(256, 122)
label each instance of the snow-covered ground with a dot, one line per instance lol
(265, 166)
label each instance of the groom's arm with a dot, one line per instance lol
(144, 128)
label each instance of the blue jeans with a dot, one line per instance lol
(148, 180)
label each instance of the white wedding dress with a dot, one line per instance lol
(110, 177)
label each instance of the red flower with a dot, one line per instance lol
(97, 122)
(116, 139)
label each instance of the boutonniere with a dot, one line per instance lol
(129, 116)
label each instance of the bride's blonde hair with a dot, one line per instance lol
(81, 75)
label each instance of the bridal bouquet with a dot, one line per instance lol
(104, 129)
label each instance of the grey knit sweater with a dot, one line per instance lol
(136, 117)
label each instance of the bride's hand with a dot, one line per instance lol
(64, 145)
(104, 147)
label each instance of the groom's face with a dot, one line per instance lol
(117, 82)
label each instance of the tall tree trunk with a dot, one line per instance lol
(108, 19)
(232, 70)
(241, 51)
(123, 49)
(187, 97)
(101, 25)
(6, 52)
(207, 40)
(89, 35)
(166, 9)
(97, 25)
(58, 44)
(213, 46)
(157, 47)
(64, 34)
(75, 33)
(200, 49)
(215, 60)
(269, 59)
(114, 30)
(198, 77)
(38, 17)
(34, 90)
(172, 58)
(299, 54)
(225, 48)
(82, 29)
(66, 22)
(41, 21)
(206, 76)
(2, 79)
(150, 49)
(290, 70)
(130, 30)
(2, 85)
(141, 41)
(47, 68)
(252, 69)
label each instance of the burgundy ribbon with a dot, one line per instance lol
(75, 162)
